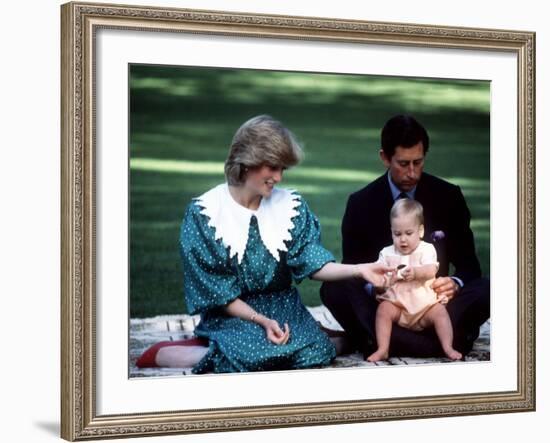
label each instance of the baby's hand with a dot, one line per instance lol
(407, 273)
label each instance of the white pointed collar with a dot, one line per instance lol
(231, 220)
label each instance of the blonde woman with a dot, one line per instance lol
(243, 245)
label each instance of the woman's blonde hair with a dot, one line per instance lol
(262, 140)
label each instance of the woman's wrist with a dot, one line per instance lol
(360, 269)
(256, 317)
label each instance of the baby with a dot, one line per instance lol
(408, 298)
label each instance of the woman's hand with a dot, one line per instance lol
(373, 272)
(240, 309)
(274, 332)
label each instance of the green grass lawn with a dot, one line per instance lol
(182, 121)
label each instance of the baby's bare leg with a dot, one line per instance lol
(438, 316)
(386, 315)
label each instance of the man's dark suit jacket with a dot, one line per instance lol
(366, 224)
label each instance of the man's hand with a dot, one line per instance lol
(445, 287)
(443, 299)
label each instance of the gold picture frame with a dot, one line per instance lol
(80, 22)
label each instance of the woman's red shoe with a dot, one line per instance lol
(148, 358)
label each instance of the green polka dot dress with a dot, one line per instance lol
(214, 276)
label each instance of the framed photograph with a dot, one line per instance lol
(151, 98)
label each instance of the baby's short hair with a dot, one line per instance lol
(406, 206)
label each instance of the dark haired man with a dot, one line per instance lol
(366, 230)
